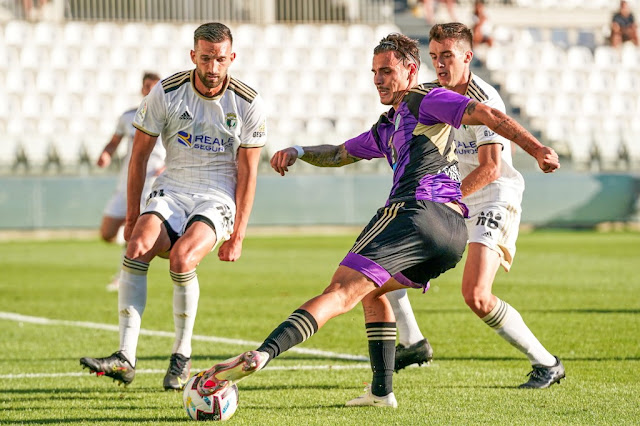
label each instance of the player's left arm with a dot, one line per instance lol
(478, 113)
(248, 159)
(490, 159)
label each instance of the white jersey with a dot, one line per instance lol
(202, 135)
(125, 129)
(508, 188)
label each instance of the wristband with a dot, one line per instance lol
(299, 150)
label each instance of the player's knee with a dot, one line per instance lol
(138, 249)
(181, 260)
(477, 301)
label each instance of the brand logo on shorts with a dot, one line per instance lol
(487, 234)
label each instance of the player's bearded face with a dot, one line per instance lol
(391, 77)
(212, 61)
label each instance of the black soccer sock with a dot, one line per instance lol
(296, 329)
(382, 353)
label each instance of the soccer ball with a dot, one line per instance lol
(219, 406)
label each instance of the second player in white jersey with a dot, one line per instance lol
(202, 135)
(494, 209)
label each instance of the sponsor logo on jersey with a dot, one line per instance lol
(186, 116)
(184, 138)
(261, 132)
(204, 142)
(232, 120)
(466, 147)
(142, 111)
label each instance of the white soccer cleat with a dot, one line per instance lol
(231, 371)
(369, 399)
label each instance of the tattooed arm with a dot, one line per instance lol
(319, 155)
(477, 113)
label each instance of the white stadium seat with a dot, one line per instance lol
(76, 33)
(17, 33)
(47, 34)
(606, 57)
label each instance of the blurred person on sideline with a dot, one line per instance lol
(116, 209)
(623, 26)
(429, 6)
(481, 26)
(213, 127)
(492, 189)
(418, 234)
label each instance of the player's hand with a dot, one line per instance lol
(282, 159)
(547, 159)
(104, 160)
(230, 250)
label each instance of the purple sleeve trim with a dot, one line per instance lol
(443, 106)
(363, 146)
(367, 267)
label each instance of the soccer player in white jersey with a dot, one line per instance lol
(213, 128)
(492, 189)
(116, 208)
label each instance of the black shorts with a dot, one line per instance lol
(412, 241)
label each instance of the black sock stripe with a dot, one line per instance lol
(499, 315)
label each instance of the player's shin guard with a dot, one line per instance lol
(508, 323)
(132, 299)
(296, 329)
(186, 292)
(382, 353)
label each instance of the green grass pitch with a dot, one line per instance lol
(578, 291)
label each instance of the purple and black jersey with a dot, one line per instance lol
(417, 142)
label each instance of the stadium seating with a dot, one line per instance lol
(78, 77)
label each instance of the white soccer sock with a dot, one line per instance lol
(408, 330)
(132, 299)
(186, 291)
(508, 323)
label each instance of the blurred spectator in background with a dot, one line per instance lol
(481, 26)
(33, 13)
(623, 26)
(428, 9)
(116, 209)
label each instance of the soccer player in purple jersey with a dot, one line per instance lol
(419, 233)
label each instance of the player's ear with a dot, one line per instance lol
(468, 56)
(193, 56)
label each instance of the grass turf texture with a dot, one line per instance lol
(578, 291)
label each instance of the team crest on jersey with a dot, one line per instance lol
(185, 139)
(142, 111)
(232, 120)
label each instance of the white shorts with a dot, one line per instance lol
(179, 210)
(496, 226)
(117, 204)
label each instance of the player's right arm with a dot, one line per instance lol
(107, 153)
(478, 113)
(143, 144)
(319, 155)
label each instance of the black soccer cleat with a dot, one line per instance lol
(417, 353)
(177, 373)
(116, 366)
(542, 377)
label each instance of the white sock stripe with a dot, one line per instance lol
(304, 321)
(135, 264)
(182, 278)
(496, 317)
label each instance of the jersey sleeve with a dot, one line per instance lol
(151, 115)
(486, 136)
(122, 126)
(442, 106)
(254, 128)
(364, 146)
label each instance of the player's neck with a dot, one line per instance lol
(210, 92)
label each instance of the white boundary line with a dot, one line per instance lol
(12, 316)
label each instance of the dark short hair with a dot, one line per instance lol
(214, 32)
(404, 48)
(454, 30)
(150, 76)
